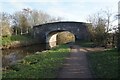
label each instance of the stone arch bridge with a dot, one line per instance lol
(45, 31)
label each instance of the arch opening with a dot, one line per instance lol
(59, 37)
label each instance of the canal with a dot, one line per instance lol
(11, 56)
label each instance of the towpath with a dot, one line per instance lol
(76, 65)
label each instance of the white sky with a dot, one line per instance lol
(72, 10)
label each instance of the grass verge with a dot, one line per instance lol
(9, 39)
(84, 43)
(40, 65)
(104, 63)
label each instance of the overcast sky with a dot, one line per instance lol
(72, 10)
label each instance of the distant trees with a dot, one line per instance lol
(22, 22)
(38, 17)
(100, 28)
(118, 40)
(97, 30)
(118, 33)
(100, 32)
(5, 24)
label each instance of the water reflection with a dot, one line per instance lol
(11, 56)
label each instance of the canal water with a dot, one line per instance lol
(11, 56)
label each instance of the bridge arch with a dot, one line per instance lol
(79, 29)
(51, 34)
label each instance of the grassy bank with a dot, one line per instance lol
(84, 43)
(40, 65)
(104, 63)
(9, 39)
(15, 41)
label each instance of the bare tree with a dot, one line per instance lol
(23, 24)
(5, 24)
(27, 18)
(98, 29)
(55, 19)
(118, 36)
(40, 17)
(118, 39)
(15, 23)
(20, 21)
(110, 17)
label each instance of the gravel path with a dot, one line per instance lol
(76, 65)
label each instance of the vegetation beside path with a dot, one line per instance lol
(104, 64)
(44, 64)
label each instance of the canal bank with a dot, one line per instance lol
(39, 65)
(11, 56)
(14, 41)
(16, 44)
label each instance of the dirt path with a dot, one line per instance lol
(76, 65)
